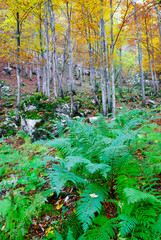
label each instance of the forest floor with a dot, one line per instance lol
(29, 86)
(57, 211)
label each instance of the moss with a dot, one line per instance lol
(67, 99)
(8, 130)
(45, 108)
(153, 98)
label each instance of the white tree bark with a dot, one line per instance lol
(30, 74)
(155, 74)
(47, 53)
(55, 63)
(140, 60)
(103, 82)
(150, 61)
(112, 62)
(42, 54)
(38, 75)
(69, 12)
(107, 76)
(159, 19)
(120, 72)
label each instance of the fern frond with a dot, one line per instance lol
(90, 204)
(146, 215)
(58, 236)
(59, 176)
(127, 224)
(156, 226)
(62, 144)
(98, 167)
(102, 228)
(73, 161)
(70, 236)
(135, 196)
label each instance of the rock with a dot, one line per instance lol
(76, 118)
(5, 90)
(29, 108)
(7, 70)
(93, 119)
(1, 84)
(63, 110)
(28, 125)
(87, 112)
(8, 128)
(150, 102)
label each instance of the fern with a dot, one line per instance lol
(17, 211)
(90, 203)
(135, 196)
(73, 161)
(59, 176)
(127, 224)
(62, 144)
(103, 169)
(102, 228)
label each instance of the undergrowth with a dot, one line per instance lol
(115, 162)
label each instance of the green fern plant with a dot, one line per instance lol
(16, 212)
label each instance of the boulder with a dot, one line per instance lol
(29, 125)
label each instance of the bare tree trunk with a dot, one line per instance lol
(30, 74)
(155, 75)
(18, 68)
(69, 12)
(103, 82)
(112, 63)
(140, 60)
(121, 72)
(38, 76)
(26, 71)
(42, 54)
(84, 74)
(81, 74)
(64, 64)
(91, 61)
(55, 66)
(47, 53)
(107, 76)
(159, 19)
(150, 62)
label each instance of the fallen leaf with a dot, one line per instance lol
(93, 195)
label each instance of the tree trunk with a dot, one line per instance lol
(42, 53)
(140, 60)
(103, 82)
(112, 63)
(81, 75)
(155, 75)
(30, 74)
(18, 68)
(47, 53)
(64, 64)
(91, 61)
(107, 76)
(159, 19)
(55, 66)
(38, 76)
(121, 72)
(150, 61)
(70, 58)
